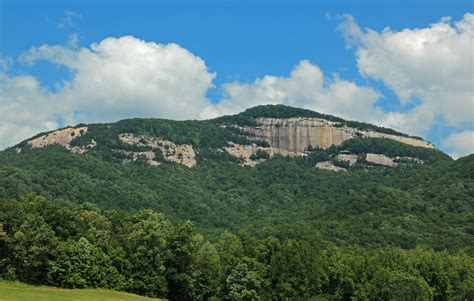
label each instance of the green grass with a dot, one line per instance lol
(16, 291)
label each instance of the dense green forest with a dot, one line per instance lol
(79, 246)
(219, 230)
(430, 204)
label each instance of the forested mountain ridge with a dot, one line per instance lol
(198, 170)
(248, 138)
(311, 199)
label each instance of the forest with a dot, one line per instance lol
(281, 230)
(81, 246)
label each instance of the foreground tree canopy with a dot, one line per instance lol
(82, 246)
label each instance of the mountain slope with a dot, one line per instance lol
(408, 195)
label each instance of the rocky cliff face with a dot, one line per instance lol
(380, 159)
(283, 136)
(299, 134)
(63, 138)
(245, 152)
(178, 153)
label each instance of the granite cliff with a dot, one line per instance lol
(300, 134)
(251, 137)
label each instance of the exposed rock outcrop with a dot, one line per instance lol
(148, 156)
(402, 139)
(63, 138)
(380, 159)
(183, 154)
(328, 165)
(245, 152)
(298, 134)
(349, 158)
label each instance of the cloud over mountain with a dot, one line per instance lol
(433, 65)
(429, 69)
(114, 79)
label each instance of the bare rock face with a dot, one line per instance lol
(328, 165)
(349, 158)
(183, 154)
(148, 156)
(299, 134)
(245, 152)
(63, 138)
(380, 159)
(402, 139)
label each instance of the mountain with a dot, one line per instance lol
(250, 138)
(265, 166)
(316, 206)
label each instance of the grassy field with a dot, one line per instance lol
(15, 291)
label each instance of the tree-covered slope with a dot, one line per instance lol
(81, 246)
(369, 205)
(84, 207)
(404, 206)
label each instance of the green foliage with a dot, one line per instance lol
(144, 240)
(392, 149)
(200, 134)
(80, 264)
(147, 254)
(31, 247)
(282, 196)
(260, 154)
(371, 233)
(243, 283)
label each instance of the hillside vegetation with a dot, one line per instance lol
(429, 204)
(222, 231)
(51, 242)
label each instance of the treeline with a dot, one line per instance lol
(248, 118)
(392, 149)
(79, 246)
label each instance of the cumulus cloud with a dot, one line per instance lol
(306, 87)
(433, 64)
(460, 144)
(22, 109)
(114, 79)
(126, 77)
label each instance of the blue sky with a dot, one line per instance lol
(240, 43)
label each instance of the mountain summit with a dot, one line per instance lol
(248, 138)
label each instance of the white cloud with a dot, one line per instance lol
(127, 77)
(460, 144)
(306, 87)
(24, 109)
(114, 79)
(5, 63)
(433, 64)
(69, 19)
